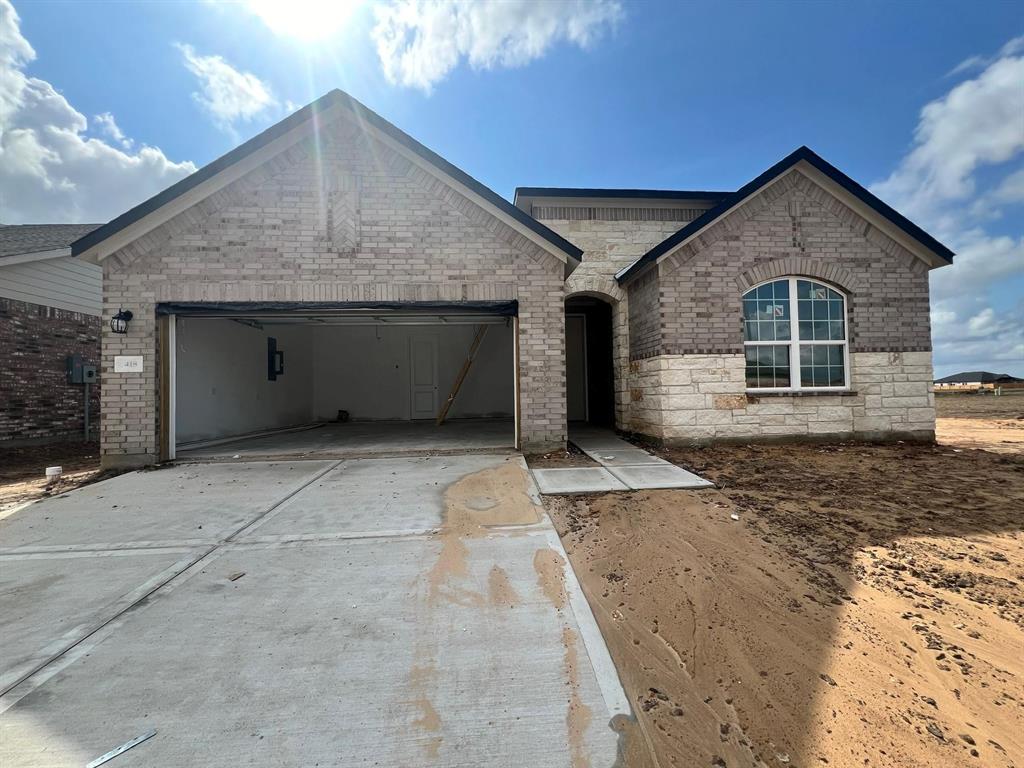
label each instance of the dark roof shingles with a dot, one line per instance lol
(16, 239)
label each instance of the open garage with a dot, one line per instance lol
(288, 379)
(360, 266)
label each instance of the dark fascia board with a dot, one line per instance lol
(260, 308)
(816, 161)
(328, 100)
(620, 194)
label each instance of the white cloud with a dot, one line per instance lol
(1011, 188)
(107, 125)
(229, 95)
(977, 125)
(420, 41)
(973, 63)
(50, 171)
(991, 340)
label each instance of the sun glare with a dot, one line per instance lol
(306, 20)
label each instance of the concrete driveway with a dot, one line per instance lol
(413, 611)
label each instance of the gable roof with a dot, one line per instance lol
(977, 377)
(310, 111)
(802, 154)
(22, 239)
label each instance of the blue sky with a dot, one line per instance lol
(924, 102)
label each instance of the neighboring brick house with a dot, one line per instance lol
(640, 308)
(49, 310)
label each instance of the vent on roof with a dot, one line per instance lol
(601, 213)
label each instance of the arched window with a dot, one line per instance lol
(795, 336)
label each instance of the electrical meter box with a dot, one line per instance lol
(80, 372)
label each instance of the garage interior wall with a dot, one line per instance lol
(222, 384)
(223, 389)
(365, 370)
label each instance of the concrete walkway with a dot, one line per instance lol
(414, 611)
(623, 467)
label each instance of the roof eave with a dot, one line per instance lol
(804, 154)
(88, 245)
(23, 258)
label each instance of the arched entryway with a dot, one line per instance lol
(589, 361)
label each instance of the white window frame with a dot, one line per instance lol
(794, 343)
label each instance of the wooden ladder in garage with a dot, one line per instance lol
(480, 333)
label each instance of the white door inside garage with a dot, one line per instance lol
(341, 382)
(423, 364)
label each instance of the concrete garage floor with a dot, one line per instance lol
(362, 438)
(397, 612)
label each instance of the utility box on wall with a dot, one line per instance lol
(80, 372)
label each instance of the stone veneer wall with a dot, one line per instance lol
(689, 385)
(701, 397)
(36, 401)
(346, 220)
(612, 239)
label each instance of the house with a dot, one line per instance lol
(977, 380)
(49, 310)
(333, 266)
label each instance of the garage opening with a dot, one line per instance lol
(319, 380)
(589, 372)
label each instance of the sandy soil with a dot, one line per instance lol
(985, 422)
(22, 470)
(865, 609)
(1006, 406)
(570, 457)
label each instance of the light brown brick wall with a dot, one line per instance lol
(609, 246)
(793, 227)
(612, 239)
(276, 235)
(687, 383)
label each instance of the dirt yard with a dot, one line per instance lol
(22, 470)
(987, 422)
(864, 607)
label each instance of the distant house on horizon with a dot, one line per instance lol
(977, 380)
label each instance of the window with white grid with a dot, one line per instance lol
(795, 336)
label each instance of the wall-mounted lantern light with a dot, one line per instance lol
(119, 322)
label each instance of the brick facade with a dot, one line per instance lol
(645, 316)
(612, 238)
(274, 235)
(687, 381)
(36, 402)
(792, 227)
(345, 217)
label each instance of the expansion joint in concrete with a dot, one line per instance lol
(162, 580)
